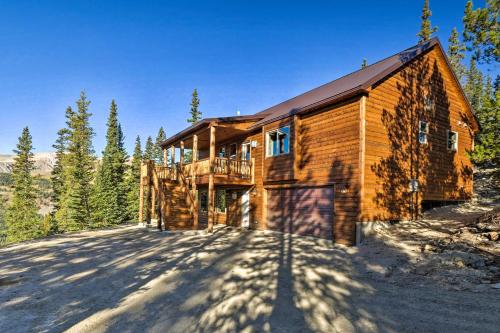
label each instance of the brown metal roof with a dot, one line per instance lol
(347, 86)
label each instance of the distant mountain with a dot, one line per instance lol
(43, 163)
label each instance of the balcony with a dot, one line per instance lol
(226, 171)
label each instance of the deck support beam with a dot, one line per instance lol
(181, 156)
(154, 191)
(141, 194)
(211, 187)
(172, 155)
(194, 192)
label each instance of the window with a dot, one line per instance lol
(204, 201)
(232, 151)
(423, 130)
(245, 151)
(222, 152)
(220, 201)
(429, 104)
(278, 141)
(452, 140)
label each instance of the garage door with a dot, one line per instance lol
(303, 211)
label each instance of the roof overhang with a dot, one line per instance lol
(207, 122)
(360, 90)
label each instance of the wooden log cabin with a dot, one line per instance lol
(380, 144)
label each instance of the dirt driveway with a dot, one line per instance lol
(132, 279)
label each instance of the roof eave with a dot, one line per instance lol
(315, 106)
(206, 122)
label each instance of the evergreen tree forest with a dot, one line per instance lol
(473, 60)
(86, 191)
(480, 45)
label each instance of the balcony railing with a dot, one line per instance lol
(225, 166)
(222, 166)
(167, 173)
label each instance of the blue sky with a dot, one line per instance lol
(149, 55)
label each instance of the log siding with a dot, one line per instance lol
(365, 147)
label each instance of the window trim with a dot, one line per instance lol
(277, 130)
(455, 146)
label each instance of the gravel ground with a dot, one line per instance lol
(133, 279)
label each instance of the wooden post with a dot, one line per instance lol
(172, 155)
(362, 153)
(165, 157)
(211, 189)
(141, 194)
(159, 212)
(193, 181)
(154, 191)
(252, 170)
(147, 184)
(181, 160)
(296, 147)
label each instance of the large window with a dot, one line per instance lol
(423, 130)
(452, 140)
(278, 141)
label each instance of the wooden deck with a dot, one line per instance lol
(226, 171)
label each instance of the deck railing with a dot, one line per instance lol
(168, 173)
(222, 166)
(225, 166)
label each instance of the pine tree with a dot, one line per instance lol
(158, 151)
(109, 196)
(456, 54)
(148, 156)
(474, 86)
(134, 181)
(364, 64)
(195, 113)
(482, 31)
(57, 174)
(75, 210)
(426, 29)
(149, 149)
(22, 219)
(487, 142)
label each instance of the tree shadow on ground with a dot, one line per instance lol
(252, 281)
